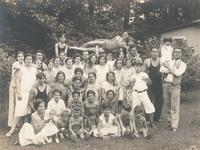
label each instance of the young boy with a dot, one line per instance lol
(76, 102)
(91, 109)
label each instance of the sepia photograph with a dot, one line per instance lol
(99, 74)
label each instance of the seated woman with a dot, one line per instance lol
(34, 133)
(105, 45)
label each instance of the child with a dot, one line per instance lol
(140, 122)
(126, 120)
(50, 73)
(77, 62)
(111, 98)
(76, 125)
(56, 103)
(78, 72)
(76, 102)
(63, 124)
(110, 61)
(108, 125)
(141, 81)
(91, 109)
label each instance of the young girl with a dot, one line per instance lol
(110, 61)
(102, 69)
(77, 62)
(69, 72)
(76, 127)
(111, 99)
(15, 66)
(91, 109)
(91, 65)
(140, 122)
(108, 125)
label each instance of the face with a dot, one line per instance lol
(138, 115)
(77, 60)
(50, 65)
(78, 74)
(62, 56)
(69, 63)
(41, 80)
(62, 39)
(57, 62)
(28, 60)
(109, 57)
(138, 68)
(111, 77)
(119, 64)
(91, 98)
(91, 78)
(102, 61)
(20, 57)
(133, 51)
(56, 96)
(154, 53)
(107, 112)
(93, 59)
(61, 77)
(39, 56)
(121, 55)
(77, 113)
(76, 97)
(41, 108)
(110, 95)
(86, 55)
(39, 63)
(177, 53)
(128, 63)
(77, 84)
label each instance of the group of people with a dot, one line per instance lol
(94, 93)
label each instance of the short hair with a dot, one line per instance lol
(55, 58)
(93, 73)
(75, 92)
(106, 105)
(40, 75)
(39, 51)
(102, 56)
(127, 108)
(90, 92)
(110, 72)
(77, 55)
(37, 103)
(76, 78)
(109, 92)
(19, 52)
(69, 58)
(78, 69)
(57, 91)
(28, 55)
(138, 109)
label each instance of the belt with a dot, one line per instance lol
(140, 91)
(174, 84)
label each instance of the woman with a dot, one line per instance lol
(91, 65)
(60, 84)
(35, 133)
(26, 78)
(61, 46)
(12, 89)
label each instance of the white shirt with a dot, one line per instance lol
(140, 83)
(166, 53)
(59, 106)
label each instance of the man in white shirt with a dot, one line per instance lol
(172, 89)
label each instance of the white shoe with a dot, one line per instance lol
(57, 140)
(174, 129)
(9, 134)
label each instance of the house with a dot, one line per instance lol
(189, 32)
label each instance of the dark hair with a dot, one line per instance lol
(106, 105)
(37, 103)
(127, 108)
(138, 109)
(59, 72)
(107, 74)
(57, 91)
(102, 56)
(78, 69)
(126, 59)
(55, 59)
(109, 92)
(39, 51)
(40, 75)
(93, 74)
(77, 55)
(69, 58)
(115, 64)
(28, 55)
(75, 92)
(19, 52)
(90, 92)
(76, 78)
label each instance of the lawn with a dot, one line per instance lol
(186, 138)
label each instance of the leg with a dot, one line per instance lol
(93, 43)
(167, 102)
(15, 123)
(175, 106)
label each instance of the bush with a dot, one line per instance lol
(5, 73)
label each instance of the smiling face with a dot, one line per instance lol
(177, 53)
(154, 53)
(56, 96)
(76, 97)
(119, 64)
(93, 59)
(20, 58)
(91, 78)
(102, 61)
(50, 65)
(28, 60)
(57, 62)
(77, 84)
(91, 98)
(77, 60)
(85, 55)
(61, 77)
(110, 77)
(41, 108)
(128, 63)
(39, 56)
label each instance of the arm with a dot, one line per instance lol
(70, 128)
(146, 65)
(122, 128)
(66, 49)
(179, 71)
(56, 49)
(31, 98)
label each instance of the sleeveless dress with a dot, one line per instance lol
(42, 95)
(28, 79)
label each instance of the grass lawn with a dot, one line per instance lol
(186, 138)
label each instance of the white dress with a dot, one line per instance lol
(28, 79)
(101, 73)
(12, 93)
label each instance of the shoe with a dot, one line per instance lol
(174, 129)
(9, 134)
(57, 140)
(49, 140)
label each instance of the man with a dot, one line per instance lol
(85, 56)
(152, 67)
(39, 56)
(133, 54)
(171, 90)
